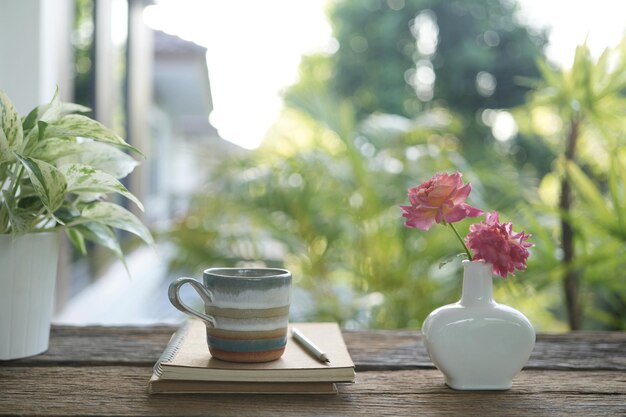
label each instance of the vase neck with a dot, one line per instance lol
(477, 283)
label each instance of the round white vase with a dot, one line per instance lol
(477, 343)
(28, 269)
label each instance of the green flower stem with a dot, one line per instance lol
(469, 255)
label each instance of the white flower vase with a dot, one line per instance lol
(477, 343)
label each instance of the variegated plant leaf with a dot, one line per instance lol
(31, 138)
(47, 113)
(11, 126)
(103, 157)
(103, 235)
(83, 126)
(41, 130)
(48, 181)
(92, 157)
(22, 221)
(86, 179)
(77, 239)
(68, 108)
(31, 119)
(67, 213)
(6, 154)
(52, 149)
(57, 108)
(52, 111)
(117, 217)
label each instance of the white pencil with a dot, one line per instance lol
(309, 345)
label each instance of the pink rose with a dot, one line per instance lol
(438, 200)
(497, 244)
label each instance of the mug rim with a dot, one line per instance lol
(270, 273)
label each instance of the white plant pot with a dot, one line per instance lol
(477, 343)
(28, 268)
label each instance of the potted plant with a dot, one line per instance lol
(57, 168)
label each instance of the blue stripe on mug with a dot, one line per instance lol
(259, 345)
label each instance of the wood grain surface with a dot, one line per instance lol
(104, 371)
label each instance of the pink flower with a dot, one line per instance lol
(497, 244)
(440, 199)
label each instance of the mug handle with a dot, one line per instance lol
(174, 295)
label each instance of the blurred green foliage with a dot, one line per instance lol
(457, 39)
(406, 57)
(579, 113)
(321, 195)
(325, 196)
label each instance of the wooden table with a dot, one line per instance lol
(105, 370)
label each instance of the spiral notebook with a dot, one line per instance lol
(187, 366)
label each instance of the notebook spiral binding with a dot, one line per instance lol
(172, 347)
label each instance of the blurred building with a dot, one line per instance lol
(183, 142)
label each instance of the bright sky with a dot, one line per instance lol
(254, 47)
(601, 22)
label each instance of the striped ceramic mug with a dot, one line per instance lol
(246, 311)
